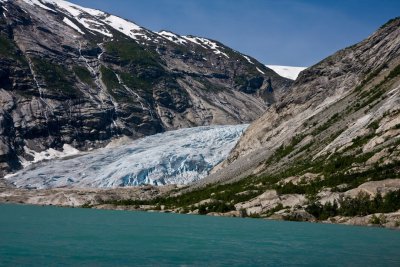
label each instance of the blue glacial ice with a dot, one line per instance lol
(174, 157)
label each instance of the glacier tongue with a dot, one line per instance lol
(175, 157)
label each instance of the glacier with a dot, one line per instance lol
(174, 157)
(287, 71)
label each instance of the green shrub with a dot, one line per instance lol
(134, 82)
(9, 49)
(129, 52)
(275, 209)
(84, 75)
(215, 206)
(389, 22)
(381, 220)
(361, 205)
(394, 73)
(87, 205)
(374, 125)
(110, 79)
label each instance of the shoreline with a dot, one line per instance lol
(6, 199)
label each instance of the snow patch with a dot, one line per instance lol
(207, 44)
(102, 19)
(95, 20)
(77, 12)
(72, 25)
(248, 59)
(49, 154)
(172, 37)
(38, 3)
(260, 71)
(126, 27)
(286, 71)
(95, 26)
(175, 157)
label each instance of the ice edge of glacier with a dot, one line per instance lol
(174, 157)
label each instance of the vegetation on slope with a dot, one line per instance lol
(84, 75)
(361, 205)
(129, 52)
(338, 170)
(56, 77)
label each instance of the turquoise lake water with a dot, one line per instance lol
(52, 236)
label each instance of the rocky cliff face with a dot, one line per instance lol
(73, 75)
(338, 89)
(327, 150)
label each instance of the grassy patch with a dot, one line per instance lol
(110, 79)
(134, 82)
(9, 49)
(57, 77)
(84, 75)
(129, 52)
(117, 90)
(6, 47)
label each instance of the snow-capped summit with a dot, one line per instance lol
(91, 19)
(82, 77)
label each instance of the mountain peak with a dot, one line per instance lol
(77, 76)
(92, 20)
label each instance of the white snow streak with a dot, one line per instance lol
(248, 59)
(40, 4)
(48, 154)
(206, 43)
(172, 37)
(95, 20)
(260, 71)
(126, 27)
(72, 25)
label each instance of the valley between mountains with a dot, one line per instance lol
(99, 112)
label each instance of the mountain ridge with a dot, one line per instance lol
(79, 76)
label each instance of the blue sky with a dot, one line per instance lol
(281, 32)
